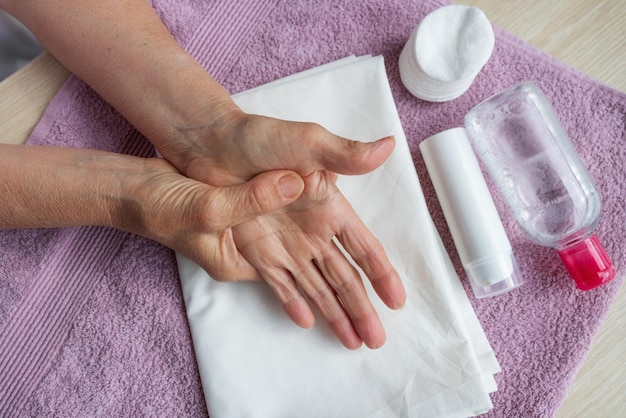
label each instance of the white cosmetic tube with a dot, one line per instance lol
(476, 228)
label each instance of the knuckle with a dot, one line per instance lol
(312, 133)
(371, 261)
(346, 288)
(312, 129)
(284, 289)
(328, 304)
(321, 295)
(260, 198)
(211, 216)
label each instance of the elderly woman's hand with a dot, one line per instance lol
(128, 56)
(60, 187)
(295, 251)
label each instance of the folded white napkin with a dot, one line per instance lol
(254, 362)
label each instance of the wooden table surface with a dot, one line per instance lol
(588, 35)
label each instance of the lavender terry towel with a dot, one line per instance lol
(92, 321)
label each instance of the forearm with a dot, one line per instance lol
(58, 187)
(123, 50)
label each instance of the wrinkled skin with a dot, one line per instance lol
(293, 249)
(125, 53)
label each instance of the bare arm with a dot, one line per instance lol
(124, 52)
(59, 187)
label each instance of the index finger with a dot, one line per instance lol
(369, 254)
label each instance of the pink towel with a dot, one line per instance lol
(92, 320)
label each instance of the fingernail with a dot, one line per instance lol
(290, 185)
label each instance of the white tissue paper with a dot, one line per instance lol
(437, 362)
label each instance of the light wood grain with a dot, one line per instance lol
(25, 95)
(588, 35)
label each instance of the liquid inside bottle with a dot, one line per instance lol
(532, 161)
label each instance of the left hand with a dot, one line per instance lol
(125, 53)
(294, 251)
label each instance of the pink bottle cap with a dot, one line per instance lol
(587, 263)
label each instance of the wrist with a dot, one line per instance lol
(57, 187)
(127, 55)
(206, 118)
(152, 198)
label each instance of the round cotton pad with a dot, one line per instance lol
(445, 52)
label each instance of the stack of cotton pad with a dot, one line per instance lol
(445, 52)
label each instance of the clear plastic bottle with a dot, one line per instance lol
(530, 158)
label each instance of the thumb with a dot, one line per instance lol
(344, 156)
(260, 195)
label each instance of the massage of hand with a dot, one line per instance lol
(245, 197)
